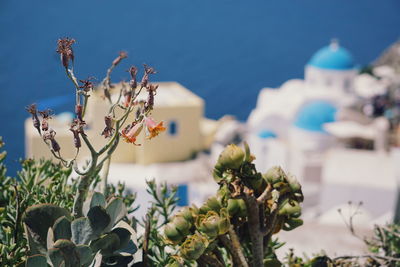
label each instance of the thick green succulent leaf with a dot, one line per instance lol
(55, 257)
(99, 219)
(34, 247)
(38, 260)
(82, 232)
(67, 249)
(128, 249)
(117, 210)
(292, 223)
(107, 244)
(64, 244)
(116, 260)
(132, 246)
(124, 236)
(85, 254)
(62, 229)
(272, 263)
(94, 199)
(39, 218)
(248, 157)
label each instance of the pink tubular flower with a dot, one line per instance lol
(153, 128)
(131, 133)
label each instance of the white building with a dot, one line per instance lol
(301, 126)
(296, 113)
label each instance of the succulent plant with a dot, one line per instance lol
(194, 246)
(237, 207)
(100, 238)
(249, 208)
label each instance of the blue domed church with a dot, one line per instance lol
(332, 67)
(295, 115)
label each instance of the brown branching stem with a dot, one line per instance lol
(146, 239)
(237, 247)
(265, 195)
(233, 246)
(256, 235)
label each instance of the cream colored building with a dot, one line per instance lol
(180, 109)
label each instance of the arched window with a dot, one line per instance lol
(173, 128)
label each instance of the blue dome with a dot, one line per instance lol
(332, 57)
(265, 134)
(312, 116)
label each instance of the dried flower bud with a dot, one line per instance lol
(46, 115)
(118, 59)
(151, 89)
(133, 72)
(76, 130)
(147, 71)
(33, 111)
(108, 130)
(50, 135)
(65, 50)
(78, 111)
(87, 85)
(45, 125)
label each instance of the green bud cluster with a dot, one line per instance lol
(290, 195)
(237, 207)
(231, 159)
(194, 229)
(181, 225)
(194, 246)
(212, 223)
(235, 163)
(58, 240)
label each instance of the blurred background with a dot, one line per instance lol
(312, 85)
(224, 51)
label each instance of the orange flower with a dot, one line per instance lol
(153, 128)
(131, 134)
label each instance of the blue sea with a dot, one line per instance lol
(223, 50)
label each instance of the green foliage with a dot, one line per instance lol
(40, 182)
(163, 205)
(386, 243)
(37, 182)
(78, 242)
(234, 227)
(247, 208)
